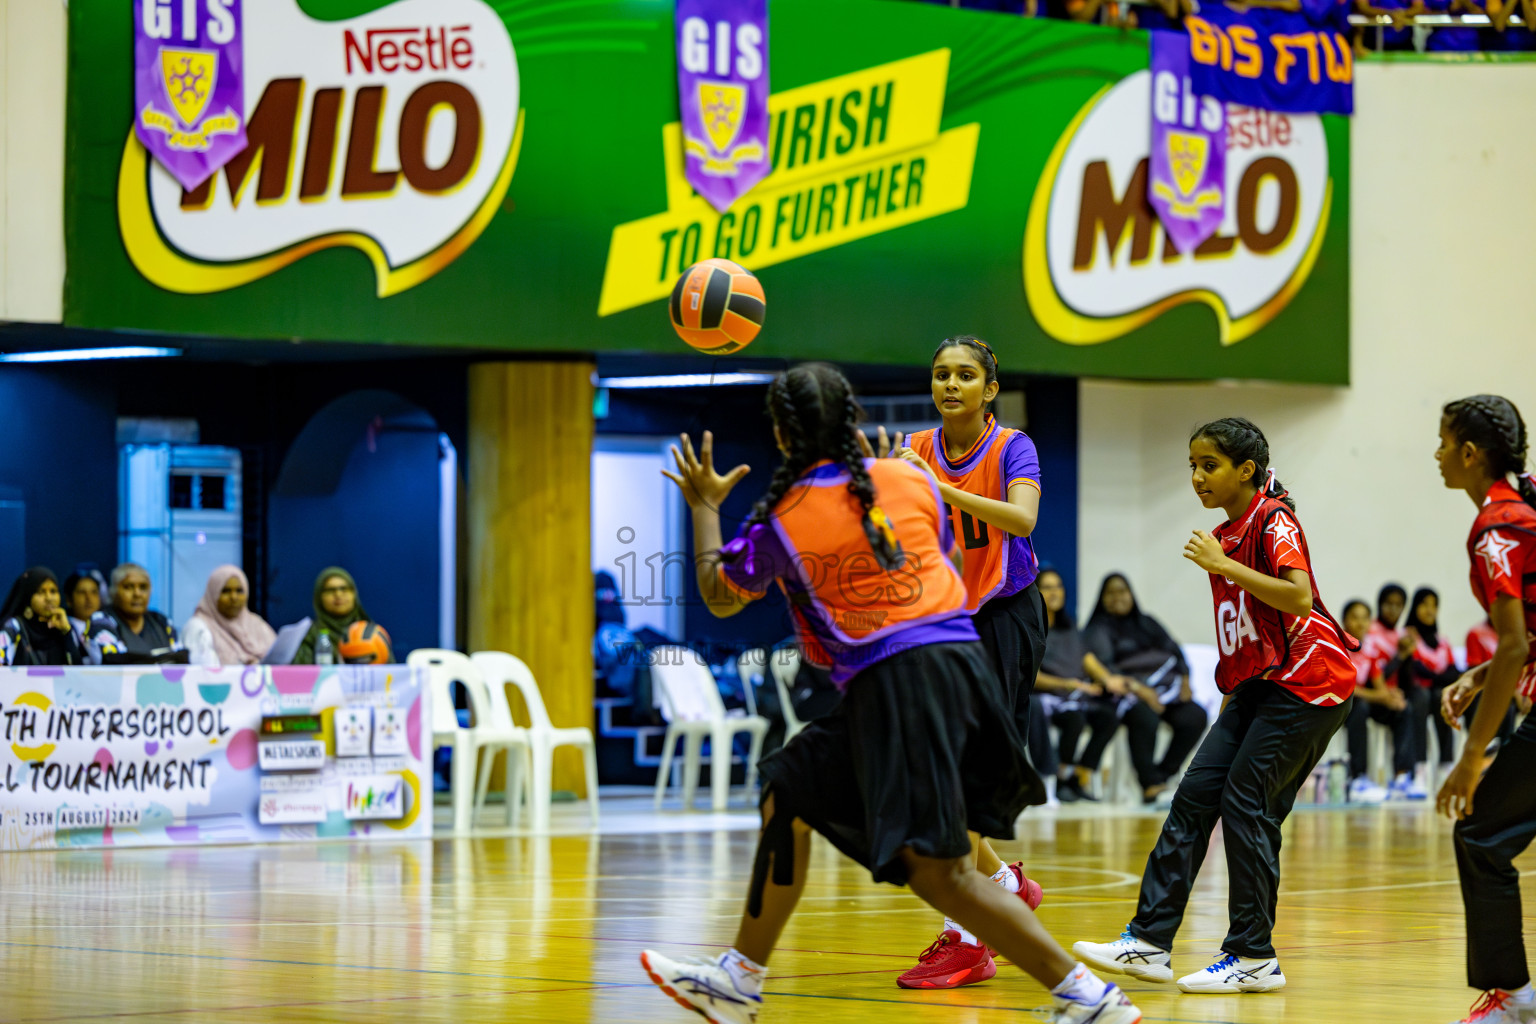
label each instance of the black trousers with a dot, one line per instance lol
(1097, 716)
(1041, 753)
(1246, 774)
(1188, 722)
(1501, 826)
(1404, 750)
(1445, 736)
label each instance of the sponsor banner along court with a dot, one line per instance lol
(449, 172)
(150, 756)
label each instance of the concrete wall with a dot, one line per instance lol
(1443, 222)
(33, 66)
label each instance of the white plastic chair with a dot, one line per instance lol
(785, 665)
(694, 710)
(752, 670)
(499, 669)
(444, 668)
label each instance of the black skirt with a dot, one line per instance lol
(1013, 629)
(922, 749)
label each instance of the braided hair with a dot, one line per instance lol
(817, 416)
(1241, 441)
(1493, 424)
(983, 352)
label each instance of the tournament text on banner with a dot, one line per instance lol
(1297, 62)
(167, 755)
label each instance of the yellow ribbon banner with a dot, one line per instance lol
(853, 156)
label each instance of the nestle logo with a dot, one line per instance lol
(410, 49)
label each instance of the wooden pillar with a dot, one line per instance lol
(530, 532)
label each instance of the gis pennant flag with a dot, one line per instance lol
(189, 88)
(1187, 179)
(722, 84)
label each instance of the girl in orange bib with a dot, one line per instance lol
(988, 476)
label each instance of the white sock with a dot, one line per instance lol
(1081, 984)
(1007, 879)
(1524, 994)
(965, 936)
(747, 975)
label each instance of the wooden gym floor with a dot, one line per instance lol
(514, 928)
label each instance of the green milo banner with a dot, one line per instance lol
(510, 174)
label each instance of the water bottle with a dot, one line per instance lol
(1337, 782)
(325, 651)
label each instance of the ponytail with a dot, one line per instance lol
(1494, 425)
(817, 415)
(1241, 441)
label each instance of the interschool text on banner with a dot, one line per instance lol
(851, 157)
(33, 734)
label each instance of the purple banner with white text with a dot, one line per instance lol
(1299, 62)
(722, 87)
(1187, 177)
(189, 89)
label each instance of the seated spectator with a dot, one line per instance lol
(1428, 664)
(34, 628)
(1402, 12)
(223, 630)
(615, 651)
(1132, 644)
(337, 607)
(1377, 699)
(1161, 15)
(1482, 640)
(1381, 639)
(1072, 690)
(127, 630)
(1453, 38)
(82, 596)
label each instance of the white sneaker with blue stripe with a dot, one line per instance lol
(1114, 1007)
(704, 986)
(1235, 974)
(1127, 955)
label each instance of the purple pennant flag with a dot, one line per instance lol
(189, 89)
(722, 86)
(1187, 182)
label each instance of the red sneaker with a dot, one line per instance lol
(950, 963)
(1029, 890)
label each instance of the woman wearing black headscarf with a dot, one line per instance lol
(34, 628)
(1135, 645)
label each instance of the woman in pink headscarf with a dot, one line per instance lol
(223, 631)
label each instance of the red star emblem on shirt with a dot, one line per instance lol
(1494, 551)
(1284, 531)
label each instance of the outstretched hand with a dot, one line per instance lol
(702, 487)
(885, 445)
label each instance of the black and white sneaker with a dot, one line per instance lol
(1235, 974)
(1127, 955)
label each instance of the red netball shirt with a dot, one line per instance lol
(996, 564)
(1380, 645)
(849, 611)
(1502, 549)
(1309, 657)
(1482, 641)
(1435, 659)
